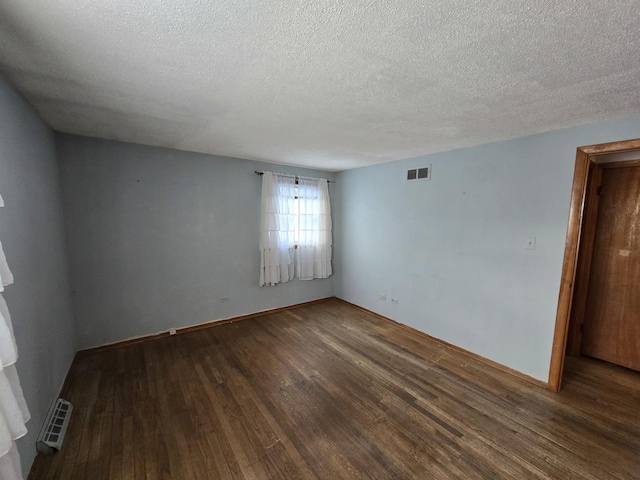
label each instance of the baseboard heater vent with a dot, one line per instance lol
(55, 426)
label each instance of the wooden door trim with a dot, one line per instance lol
(622, 164)
(585, 254)
(584, 156)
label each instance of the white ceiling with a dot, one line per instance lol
(325, 84)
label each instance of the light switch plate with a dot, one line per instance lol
(531, 243)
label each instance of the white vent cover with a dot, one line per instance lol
(55, 427)
(418, 173)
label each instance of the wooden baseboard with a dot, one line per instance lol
(475, 356)
(179, 331)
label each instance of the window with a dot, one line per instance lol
(295, 229)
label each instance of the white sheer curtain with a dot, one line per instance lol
(13, 409)
(295, 215)
(277, 228)
(314, 229)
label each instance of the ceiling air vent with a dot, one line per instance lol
(419, 173)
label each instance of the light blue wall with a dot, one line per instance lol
(452, 250)
(31, 230)
(158, 236)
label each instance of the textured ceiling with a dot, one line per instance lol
(325, 84)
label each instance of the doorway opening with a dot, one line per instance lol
(574, 285)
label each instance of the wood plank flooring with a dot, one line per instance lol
(329, 391)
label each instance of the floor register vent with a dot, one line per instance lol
(55, 426)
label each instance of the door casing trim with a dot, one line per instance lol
(584, 156)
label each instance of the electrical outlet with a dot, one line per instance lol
(224, 300)
(382, 296)
(172, 331)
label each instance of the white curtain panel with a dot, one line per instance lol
(6, 277)
(314, 229)
(13, 408)
(277, 228)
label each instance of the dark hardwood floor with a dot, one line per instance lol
(329, 391)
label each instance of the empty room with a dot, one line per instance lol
(319, 240)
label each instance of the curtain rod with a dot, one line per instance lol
(262, 173)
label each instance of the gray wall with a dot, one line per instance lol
(31, 230)
(158, 236)
(452, 250)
